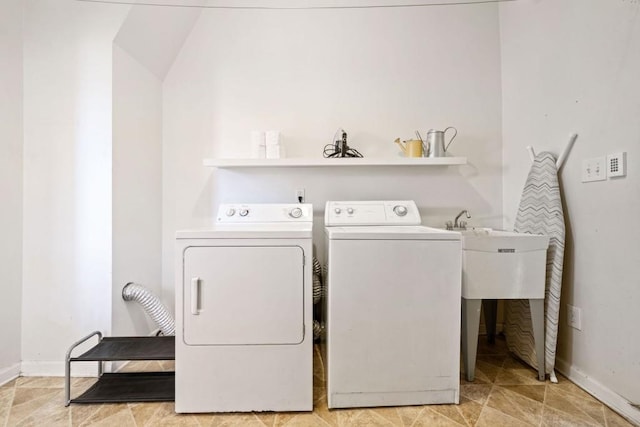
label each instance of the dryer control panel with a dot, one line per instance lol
(382, 212)
(236, 213)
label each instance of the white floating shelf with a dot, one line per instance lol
(322, 162)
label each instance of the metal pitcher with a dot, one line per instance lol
(435, 142)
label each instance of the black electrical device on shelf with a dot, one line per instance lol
(339, 147)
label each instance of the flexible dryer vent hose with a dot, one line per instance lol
(317, 281)
(318, 330)
(152, 305)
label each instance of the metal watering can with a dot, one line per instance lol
(435, 142)
(411, 148)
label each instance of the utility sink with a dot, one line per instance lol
(503, 264)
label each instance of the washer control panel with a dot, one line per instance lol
(383, 212)
(264, 212)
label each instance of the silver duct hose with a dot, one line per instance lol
(317, 281)
(317, 289)
(318, 329)
(152, 306)
(317, 270)
(318, 294)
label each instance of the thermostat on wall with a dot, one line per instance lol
(616, 165)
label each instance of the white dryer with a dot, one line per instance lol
(244, 339)
(392, 307)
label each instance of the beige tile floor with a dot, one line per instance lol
(504, 393)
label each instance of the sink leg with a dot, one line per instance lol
(490, 309)
(537, 321)
(470, 325)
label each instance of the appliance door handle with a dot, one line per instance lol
(195, 292)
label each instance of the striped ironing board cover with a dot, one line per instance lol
(540, 212)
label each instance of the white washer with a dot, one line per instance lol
(244, 331)
(392, 307)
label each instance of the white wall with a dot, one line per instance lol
(379, 74)
(154, 35)
(10, 186)
(137, 189)
(67, 177)
(573, 66)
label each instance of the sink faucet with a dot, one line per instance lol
(461, 224)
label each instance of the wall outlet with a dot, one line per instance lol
(617, 165)
(574, 317)
(594, 169)
(300, 195)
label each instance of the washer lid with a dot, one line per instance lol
(296, 230)
(397, 232)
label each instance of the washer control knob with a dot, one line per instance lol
(244, 212)
(400, 210)
(350, 211)
(295, 213)
(231, 212)
(338, 211)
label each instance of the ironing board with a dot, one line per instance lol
(540, 212)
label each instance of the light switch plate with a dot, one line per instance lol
(594, 169)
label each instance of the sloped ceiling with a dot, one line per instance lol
(155, 35)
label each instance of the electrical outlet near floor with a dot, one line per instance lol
(574, 317)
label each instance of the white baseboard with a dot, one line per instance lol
(33, 368)
(10, 373)
(599, 391)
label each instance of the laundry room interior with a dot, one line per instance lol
(116, 119)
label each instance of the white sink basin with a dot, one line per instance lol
(503, 264)
(489, 240)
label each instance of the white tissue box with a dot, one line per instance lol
(258, 145)
(272, 137)
(274, 151)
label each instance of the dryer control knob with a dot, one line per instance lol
(244, 212)
(338, 211)
(400, 210)
(295, 213)
(350, 211)
(231, 212)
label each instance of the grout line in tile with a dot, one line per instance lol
(131, 416)
(416, 418)
(451, 419)
(13, 394)
(589, 417)
(604, 416)
(486, 401)
(544, 403)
